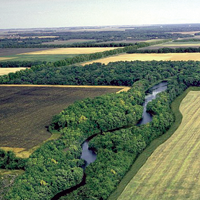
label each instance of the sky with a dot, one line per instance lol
(72, 13)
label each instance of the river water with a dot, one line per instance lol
(89, 155)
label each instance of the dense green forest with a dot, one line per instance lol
(56, 165)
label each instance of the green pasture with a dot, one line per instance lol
(42, 57)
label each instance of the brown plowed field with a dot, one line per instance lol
(25, 111)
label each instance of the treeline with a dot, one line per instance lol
(101, 114)
(23, 42)
(188, 40)
(167, 50)
(10, 64)
(117, 73)
(8, 160)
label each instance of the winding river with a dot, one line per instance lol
(89, 156)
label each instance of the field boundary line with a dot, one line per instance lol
(123, 88)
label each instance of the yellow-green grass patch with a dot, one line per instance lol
(4, 71)
(149, 57)
(6, 58)
(172, 171)
(70, 51)
(25, 153)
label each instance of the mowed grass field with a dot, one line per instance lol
(149, 57)
(172, 171)
(26, 111)
(50, 55)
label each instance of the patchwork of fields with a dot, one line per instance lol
(50, 55)
(26, 111)
(172, 171)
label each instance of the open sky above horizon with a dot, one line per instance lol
(71, 13)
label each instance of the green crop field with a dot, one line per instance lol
(30, 57)
(172, 171)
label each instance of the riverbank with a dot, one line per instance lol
(142, 158)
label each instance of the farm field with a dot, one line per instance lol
(14, 51)
(25, 111)
(173, 45)
(47, 54)
(4, 71)
(72, 41)
(149, 57)
(187, 32)
(129, 41)
(172, 171)
(71, 51)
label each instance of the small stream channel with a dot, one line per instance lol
(89, 156)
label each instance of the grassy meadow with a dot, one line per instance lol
(172, 171)
(49, 55)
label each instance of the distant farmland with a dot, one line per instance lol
(25, 111)
(149, 57)
(47, 54)
(172, 171)
(71, 50)
(173, 45)
(67, 42)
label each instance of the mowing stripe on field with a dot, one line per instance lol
(172, 171)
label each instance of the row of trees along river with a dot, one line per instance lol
(57, 166)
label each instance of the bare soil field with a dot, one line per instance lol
(26, 111)
(172, 171)
(149, 57)
(70, 51)
(5, 71)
